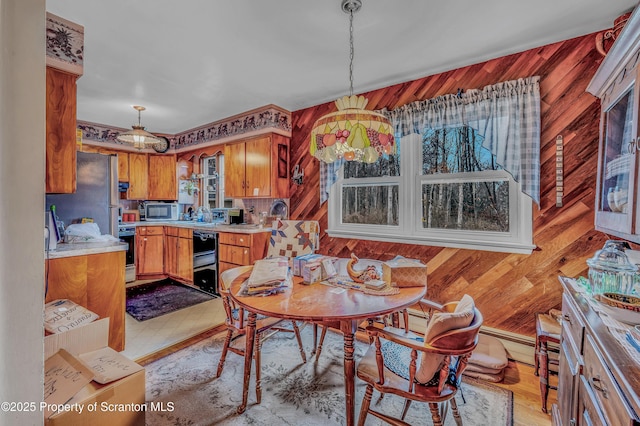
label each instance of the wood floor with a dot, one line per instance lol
(519, 379)
(527, 408)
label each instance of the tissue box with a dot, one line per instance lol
(312, 272)
(300, 261)
(403, 272)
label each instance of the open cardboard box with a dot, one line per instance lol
(119, 402)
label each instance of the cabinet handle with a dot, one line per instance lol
(567, 318)
(597, 385)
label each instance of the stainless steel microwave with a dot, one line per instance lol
(160, 211)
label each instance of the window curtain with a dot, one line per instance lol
(506, 115)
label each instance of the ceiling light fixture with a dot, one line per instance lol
(139, 137)
(352, 132)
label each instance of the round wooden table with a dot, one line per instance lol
(320, 303)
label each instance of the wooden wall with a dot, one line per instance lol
(508, 288)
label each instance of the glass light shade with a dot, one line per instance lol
(138, 137)
(353, 133)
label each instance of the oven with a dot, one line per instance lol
(127, 234)
(205, 261)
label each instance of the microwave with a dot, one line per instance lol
(160, 211)
(228, 216)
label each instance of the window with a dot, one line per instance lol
(444, 189)
(213, 181)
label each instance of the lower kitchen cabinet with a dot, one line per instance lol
(95, 281)
(598, 381)
(179, 254)
(239, 249)
(149, 252)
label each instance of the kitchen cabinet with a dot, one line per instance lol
(60, 169)
(162, 178)
(123, 166)
(138, 177)
(95, 281)
(179, 254)
(152, 177)
(238, 249)
(149, 252)
(597, 378)
(257, 167)
(617, 187)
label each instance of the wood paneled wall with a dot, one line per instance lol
(508, 288)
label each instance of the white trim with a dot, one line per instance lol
(518, 240)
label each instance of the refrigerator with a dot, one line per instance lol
(96, 195)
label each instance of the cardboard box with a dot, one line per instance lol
(120, 402)
(62, 315)
(403, 272)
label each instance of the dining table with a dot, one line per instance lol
(320, 304)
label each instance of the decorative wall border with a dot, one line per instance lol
(265, 119)
(65, 44)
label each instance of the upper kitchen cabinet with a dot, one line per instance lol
(257, 167)
(152, 177)
(617, 198)
(138, 177)
(163, 183)
(61, 132)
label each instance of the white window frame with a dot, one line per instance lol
(519, 239)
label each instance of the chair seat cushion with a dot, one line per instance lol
(494, 378)
(490, 353)
(441, 322)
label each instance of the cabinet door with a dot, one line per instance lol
(150, 254)
(123, 167)
(106, 293)
(617, 166)
(162, 177)
(67, 279)
(234, 169)
(61, 132)
(171, 255)
(185, 260)
(138, 177)
(569, 368)
(258, 167)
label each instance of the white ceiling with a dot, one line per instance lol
(193, 62)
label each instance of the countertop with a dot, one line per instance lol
(243, 229)
(81, 249)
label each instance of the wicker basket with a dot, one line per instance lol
(622, 301)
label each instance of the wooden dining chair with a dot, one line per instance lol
(426, 368)
(236, 323)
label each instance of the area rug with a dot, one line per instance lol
(293, 393)
(151, 300)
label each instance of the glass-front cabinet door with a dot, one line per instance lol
(617, 166)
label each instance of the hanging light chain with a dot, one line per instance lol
(351, 52)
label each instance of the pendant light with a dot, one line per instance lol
(353, 132)
(138, 136)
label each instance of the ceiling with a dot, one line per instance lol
(193, 62)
